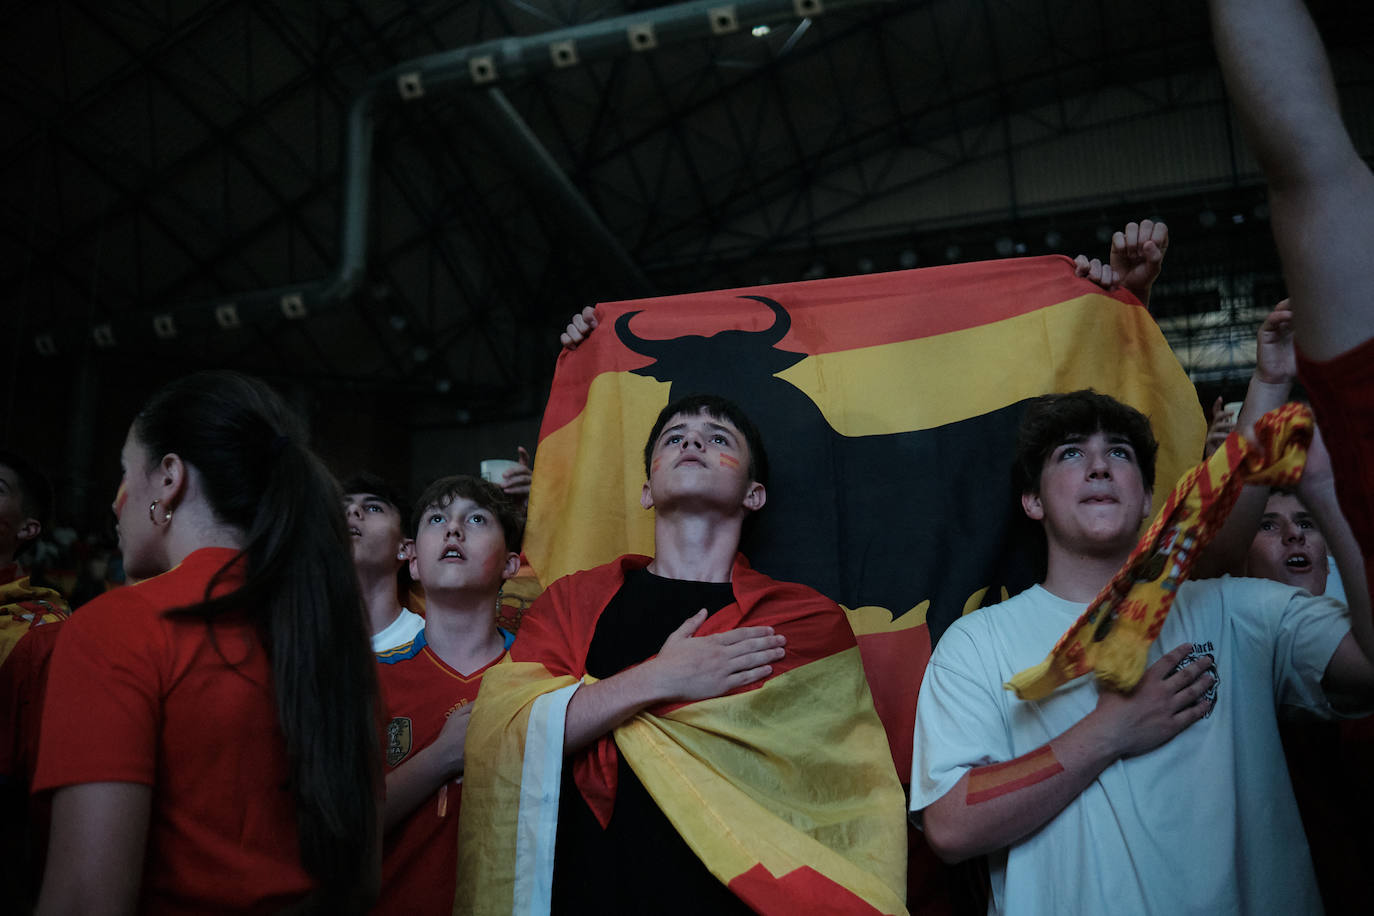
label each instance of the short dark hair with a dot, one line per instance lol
(35, 491)
(485, 494)
(383, 489)
(717, 408)
(367, 482)
(1052, 419)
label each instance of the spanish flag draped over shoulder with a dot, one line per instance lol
(783, 789)
(888, 404)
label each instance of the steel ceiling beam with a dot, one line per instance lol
(484, 65)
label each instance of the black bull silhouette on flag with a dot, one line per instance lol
(886, 521)
(889, 419)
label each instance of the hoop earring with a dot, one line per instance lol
(152, 517)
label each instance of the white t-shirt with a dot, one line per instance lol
(399, 632)
(1335, 585)
(1206, 823)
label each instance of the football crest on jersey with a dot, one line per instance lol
(398, 737)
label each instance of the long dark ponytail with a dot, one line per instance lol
(301, 592)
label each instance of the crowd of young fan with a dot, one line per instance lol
(284, 710)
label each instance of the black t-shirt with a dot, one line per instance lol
(639, 863)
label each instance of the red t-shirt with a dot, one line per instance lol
(137, 696)
(23, 680)
(29, 618)
(420, 855)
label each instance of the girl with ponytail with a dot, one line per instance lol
(211, 732)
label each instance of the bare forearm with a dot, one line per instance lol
(994, 806)
(96, 849)
(597, 708)
(1340, 540)
(1226, 552)
(1321, 192)
(1261, 397)
(686, 668)
(1276, 72)
(412, 783)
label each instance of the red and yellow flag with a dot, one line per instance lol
(23, 607)
(784, 789)
(888, 404)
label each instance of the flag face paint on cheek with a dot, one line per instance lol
(989, 782)
(729, 461)
(121, 497)
(654, 467)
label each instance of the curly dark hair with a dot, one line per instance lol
(1053, 418)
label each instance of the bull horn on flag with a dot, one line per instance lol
(889, 404)
(1114, 634)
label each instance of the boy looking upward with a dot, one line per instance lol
(722, 752)
(467, 537)
(1174, 796)
(372, 508)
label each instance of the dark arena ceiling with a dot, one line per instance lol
(396, 204)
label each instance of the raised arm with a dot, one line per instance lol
(1133, 262)
(1270, 385)
(994, 806)
(1321, 194)
(1321, 198)
(1350, 673)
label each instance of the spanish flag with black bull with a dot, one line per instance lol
(888, 404)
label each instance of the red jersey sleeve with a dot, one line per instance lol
(101, 718)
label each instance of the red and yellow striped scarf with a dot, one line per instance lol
(1114, 634)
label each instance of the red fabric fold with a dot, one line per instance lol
(557, 633)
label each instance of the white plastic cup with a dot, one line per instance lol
(494, 469)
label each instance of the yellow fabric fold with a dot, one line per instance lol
(24, 606)
(1114, 635)
(492, 782)
(727, 772)
(729, 775)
